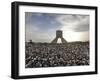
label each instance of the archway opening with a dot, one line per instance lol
(59, 40)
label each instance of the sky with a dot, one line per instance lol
(41, 27)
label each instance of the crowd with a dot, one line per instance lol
(52, 55)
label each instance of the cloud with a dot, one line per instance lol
(84, 36)
(41, 27)
(38, 36)
(42, 21)
(83, 25)
(76, 23)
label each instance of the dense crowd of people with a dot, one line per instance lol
(52, 55)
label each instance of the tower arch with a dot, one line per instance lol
(59, 34)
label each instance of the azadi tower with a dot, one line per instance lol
(59, 34)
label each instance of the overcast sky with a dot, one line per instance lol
(41, 27)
